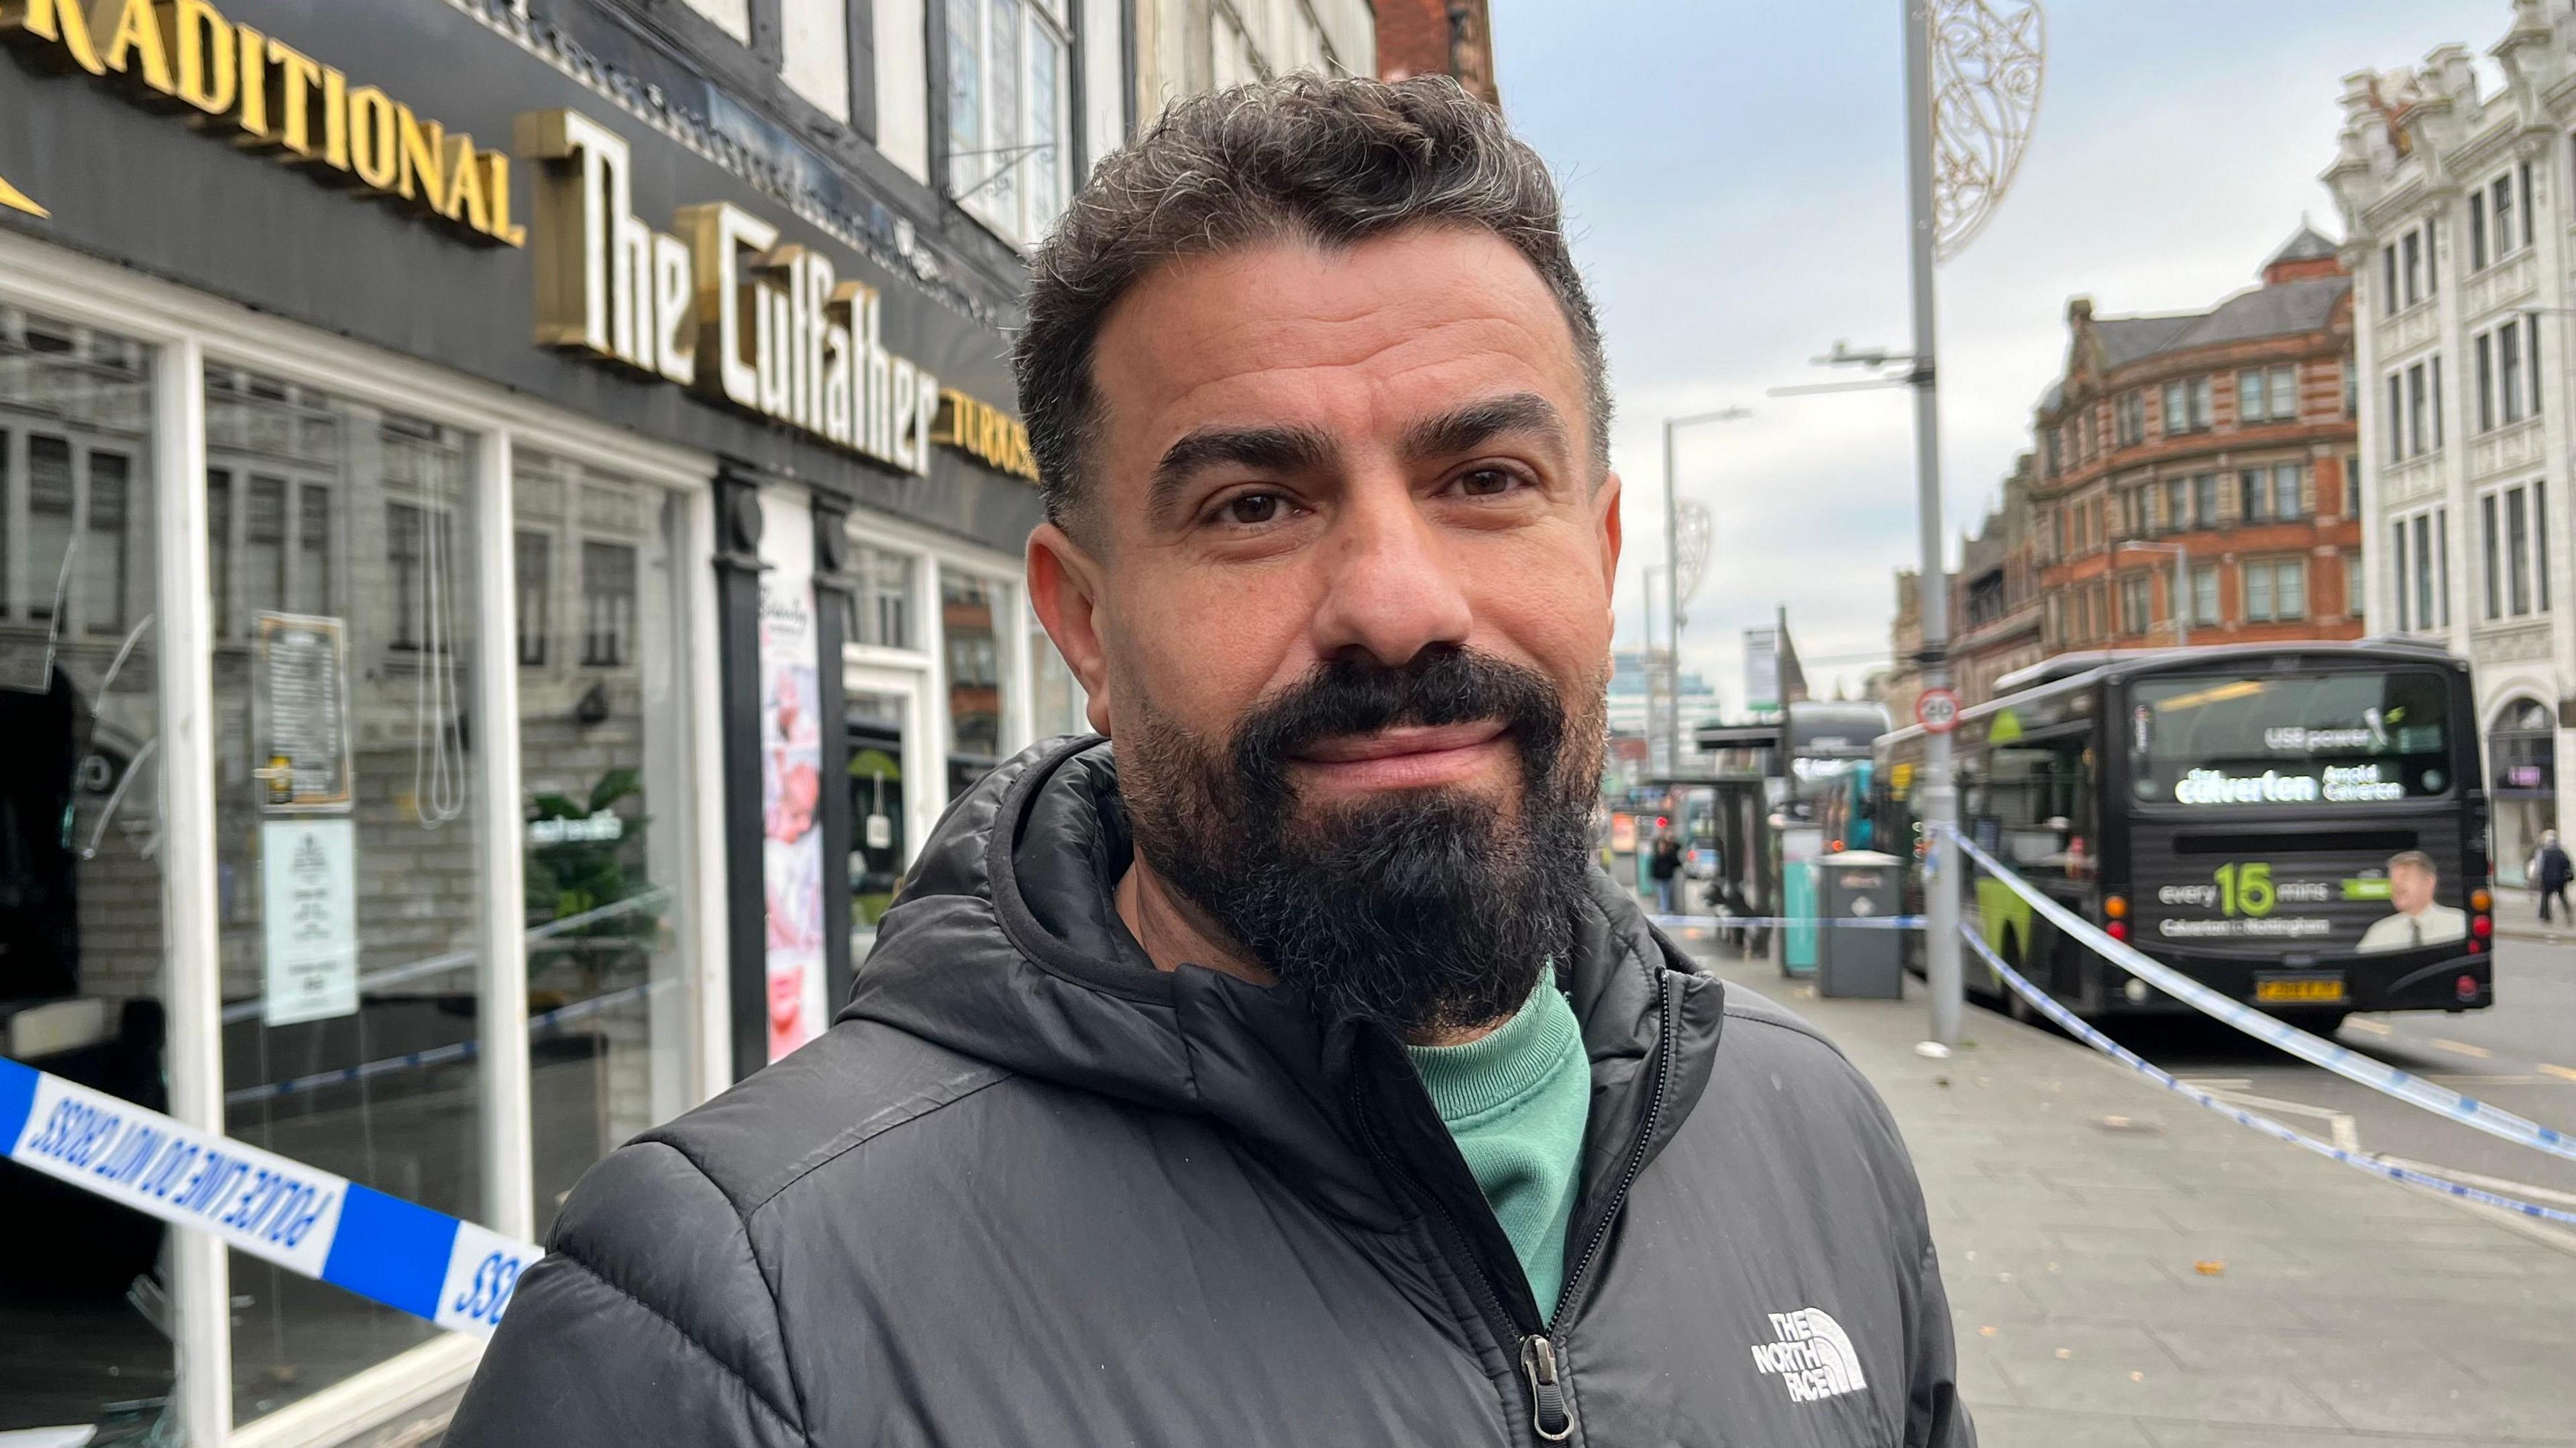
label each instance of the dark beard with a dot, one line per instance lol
(1423, 910)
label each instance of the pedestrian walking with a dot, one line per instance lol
(1664, 867)
(2549, 873)
(1285, 1072)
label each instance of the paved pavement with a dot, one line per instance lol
(2128, 1269)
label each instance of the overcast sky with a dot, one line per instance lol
(1734, 179)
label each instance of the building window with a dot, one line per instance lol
(880, 599)
(607, 604)
(2501, 202)
(534, 566)
(2276, 590)
(2388, 280)
(419, 542)
(2134, 603)
(2485, 349)
(2477, 230)
(2528, 210)
(2396, 424)
(2351, 486)
(2177, 504)
(2420, 576)
(2267, 395)
(2130, 418)
(2514, 543)
(2531, 337)
(2287, 484)
(2354, 592)
(2351, 391)
(2204, 500)
(2509, 394)
(1007, 162)
(2052, 449)
(2413, 247)
(2204, 595)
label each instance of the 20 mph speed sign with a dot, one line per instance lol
(1937, 710)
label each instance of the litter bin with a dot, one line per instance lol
(1860, 961)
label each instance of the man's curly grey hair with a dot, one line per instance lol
(1332, 161)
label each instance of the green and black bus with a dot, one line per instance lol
(2299, 826)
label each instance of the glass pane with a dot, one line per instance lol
(348, 867)
(965, 94)
(1058, 699)
(81, 941)
(878, 849)
(968, 609)
(607, 947)
(1008, 165)
(1046, 166)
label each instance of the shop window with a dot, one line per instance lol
(969, 612)
(604, 840)
(1007, 161)
(880, 601)
(2522, 753)
(82, 945)
(349, 850)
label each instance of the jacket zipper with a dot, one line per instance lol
(1551, 1416)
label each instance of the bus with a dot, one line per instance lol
(2298, 826)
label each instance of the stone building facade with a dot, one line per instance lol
(2462, 253)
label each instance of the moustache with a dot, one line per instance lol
(1346, 696)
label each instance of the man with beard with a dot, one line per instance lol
(1285, 1072)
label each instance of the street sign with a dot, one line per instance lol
(1937, 710)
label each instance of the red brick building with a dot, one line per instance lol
(2228, 434)
(1437, 37)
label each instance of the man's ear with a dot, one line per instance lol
(1065, 589)
(1605, 502)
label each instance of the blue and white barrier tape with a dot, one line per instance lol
(2077, 1027)
(310, 1222)
(2343, 1061)
(1714, 922)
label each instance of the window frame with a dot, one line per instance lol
(191, 332)
(991, 184)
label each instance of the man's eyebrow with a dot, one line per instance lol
(1471, 426)
(1273, 449)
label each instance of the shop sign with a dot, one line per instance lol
(985, 433)
(277, 99)
(719, 305)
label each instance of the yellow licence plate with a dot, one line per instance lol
(2300, 990)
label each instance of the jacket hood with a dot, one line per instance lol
(1007, 946)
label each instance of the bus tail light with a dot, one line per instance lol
(2117, 930)
(2116, 907)
(2481, 901)
(2482, 926)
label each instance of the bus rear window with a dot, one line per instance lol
(2307, 739)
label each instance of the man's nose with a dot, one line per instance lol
(1392, 587)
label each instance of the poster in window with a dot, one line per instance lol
(791, 791)
(301, 687)
(309, 918)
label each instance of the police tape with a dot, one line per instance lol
(1714, 922)
(434, 1266)
(2084, 1031)
(2342, 1060)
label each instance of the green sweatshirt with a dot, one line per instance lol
(1515, 1101)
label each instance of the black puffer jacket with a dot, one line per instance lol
(1031, 1191)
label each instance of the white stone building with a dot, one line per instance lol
(2463, 251)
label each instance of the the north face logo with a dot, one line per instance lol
(1813, 1355)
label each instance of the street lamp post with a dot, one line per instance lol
(1672, 584)
(2181, 583)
